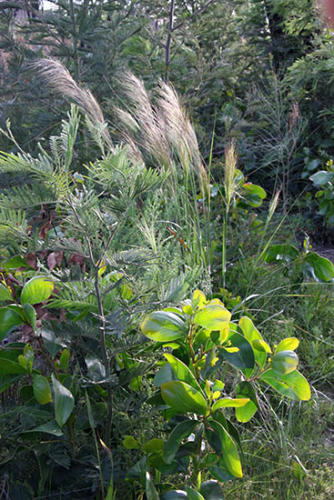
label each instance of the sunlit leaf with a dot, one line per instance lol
(36, 290)
(163, 326)
(284, 362)
(182, 372)
(228, 449)
(293, 385)
(288, 344)
(246, 412)
(230, 403)
(183, 397)
(212, 317)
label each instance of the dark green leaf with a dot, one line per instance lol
(244, 357)
(9, 318)
(321, 178)
(320, 268)
(49, 428)
(283, 252)
(63, 400)
(30, 315)
(193, 494)
(211, 490)
(165, 374)
(180, 432)
(8, 367)
(174, 495)
(251, 334)
(150, 490)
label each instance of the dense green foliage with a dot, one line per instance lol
(118, 377)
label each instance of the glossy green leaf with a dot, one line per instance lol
(5, 293)
(63, 401)
(180, 432)
(182, 372)
(9, 318)
(293, 385)
(244, 357)
(174, 495)
(36, 290)
(219, 472)
(211, 490)
(150, 490)
(229, 451)
(284, 362)
(284, 252)
(230, 403)
(251, 334)
(30, 314)
(212, 317)
(48, 428)
(164, 374)
(245, 413)
(193, 494)
(288, 344)
(321, 178)
(163, 326)
(42, 389)
(261, 345)
(183, 397)
(320, 268)
(253, 194)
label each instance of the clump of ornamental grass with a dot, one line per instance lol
(160, 128)
(61, 82)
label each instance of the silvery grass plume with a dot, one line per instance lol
(229, 173)
(162, 130)
(141, 126)
(60, 81)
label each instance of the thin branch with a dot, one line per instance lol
(169, 38)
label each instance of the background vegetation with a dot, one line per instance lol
(149, 149)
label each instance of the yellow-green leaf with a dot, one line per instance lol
(212, 317)
(42, 389)
(230, 403)
(36, 290)
(288, 344)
